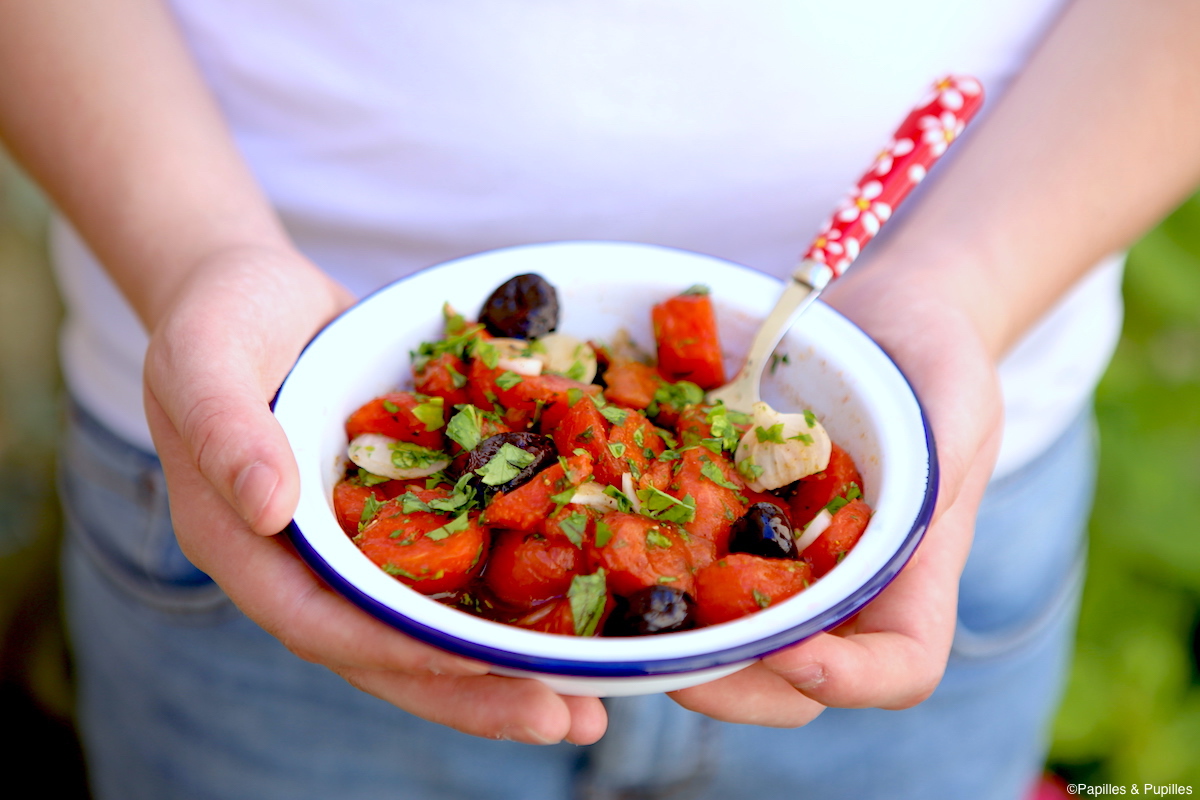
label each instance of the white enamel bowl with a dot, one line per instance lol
(832, 368)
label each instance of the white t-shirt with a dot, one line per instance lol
(396, 134)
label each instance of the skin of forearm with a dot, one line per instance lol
(1093, 143)
(102, 106)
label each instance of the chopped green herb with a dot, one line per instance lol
(437, 479)
(398, 572)
(710, 470)
(762, 600)
(369, 478)
(486, 352)
(615, 415)
(453, 322)
(667, 578)
(505, 465)
(575, 526)
(406, 456)
(695, 289)
(656, 538)
(718, 419)
(562, 498)
(588, 597)
(748, 469)
(508, 379)
(773, 434)
(617, 449)
(462, 498)
(573, 396)
(669, 440)
(810, 418)
(459, 523)
(410, 503)
(623, 503)
(604, 533)
(370, 509)
(676, 395)
(466, 427)
(658, 504)
(432, 412)
(776, 360)
(836, 504)
(576, 371)
(803, 438)
(391, 407)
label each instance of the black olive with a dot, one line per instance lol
(765, 531)
(540, 447)
(524, 307)
(653, 609)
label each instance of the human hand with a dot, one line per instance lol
(893, 653)
(228, 340)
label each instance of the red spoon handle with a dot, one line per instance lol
(919, 141)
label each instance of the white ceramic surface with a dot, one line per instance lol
(832, 368)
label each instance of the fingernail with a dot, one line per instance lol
(809, 676)
(523, 734)
(253, 489)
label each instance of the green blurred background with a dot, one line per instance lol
(1132, 709)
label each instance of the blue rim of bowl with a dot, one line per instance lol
(826, 620)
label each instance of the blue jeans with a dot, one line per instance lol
(181, 696)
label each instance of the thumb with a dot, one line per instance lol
(225, 426)
(211, 369)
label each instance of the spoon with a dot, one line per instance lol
(920, 140)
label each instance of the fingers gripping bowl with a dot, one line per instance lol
(831, 367)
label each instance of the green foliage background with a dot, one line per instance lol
(1132, 708)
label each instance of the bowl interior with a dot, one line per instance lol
(831, 367)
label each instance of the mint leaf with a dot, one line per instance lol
(431, 411)
(508, 379)
(772, 434)
(370, 509)
(575, 526)
(505, 465)
(588, 596)
(466, 427)
(459, 523)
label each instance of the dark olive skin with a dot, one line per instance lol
(541, 447)
(765, 531)
(524, 307)
(651, 610)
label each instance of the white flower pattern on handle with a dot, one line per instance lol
(953, 92)
(919, 141)
(938, 131)
(887, 157)
(864, 205)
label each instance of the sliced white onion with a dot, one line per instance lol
(591, 494)
(567, 355)
(521, 365)
(814, 529)
(627, 488)
(390, 458)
